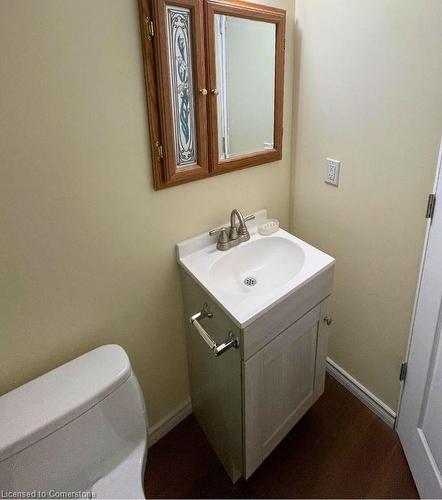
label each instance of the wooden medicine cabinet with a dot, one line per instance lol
(214, 72)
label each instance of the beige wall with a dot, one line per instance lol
(87, 246)
(370, 95)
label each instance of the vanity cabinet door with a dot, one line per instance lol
(281, 382)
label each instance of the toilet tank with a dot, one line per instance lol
(70, 428)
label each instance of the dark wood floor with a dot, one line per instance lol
(339, 449)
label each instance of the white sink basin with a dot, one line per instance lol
(251, 278)
(261, 266)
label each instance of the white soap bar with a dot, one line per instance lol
(269, 226)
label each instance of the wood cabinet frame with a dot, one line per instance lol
(157, 79)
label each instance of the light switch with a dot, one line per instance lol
(332, 171)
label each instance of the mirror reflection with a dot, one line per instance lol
(245, 75)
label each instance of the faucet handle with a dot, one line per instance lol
(244, 234)
(217, 230)
(223, 242)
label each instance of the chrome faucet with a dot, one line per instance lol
(236, 234)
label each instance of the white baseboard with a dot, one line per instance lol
(362, 393)
(168, 422)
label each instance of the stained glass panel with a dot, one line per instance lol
(181, 78)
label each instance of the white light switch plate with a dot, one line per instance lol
(332, 171)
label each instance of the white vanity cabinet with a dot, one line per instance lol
(247, 399)
(262, 307)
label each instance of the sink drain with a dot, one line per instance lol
(250, 281)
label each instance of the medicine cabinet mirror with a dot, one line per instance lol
(245, 68)
(214, 73)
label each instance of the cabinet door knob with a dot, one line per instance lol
(215, 91)
(203, 91)
(328, 320)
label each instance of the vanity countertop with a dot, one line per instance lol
(251, 278)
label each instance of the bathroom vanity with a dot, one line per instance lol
(257, 328)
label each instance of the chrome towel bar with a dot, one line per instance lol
(217, 349)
